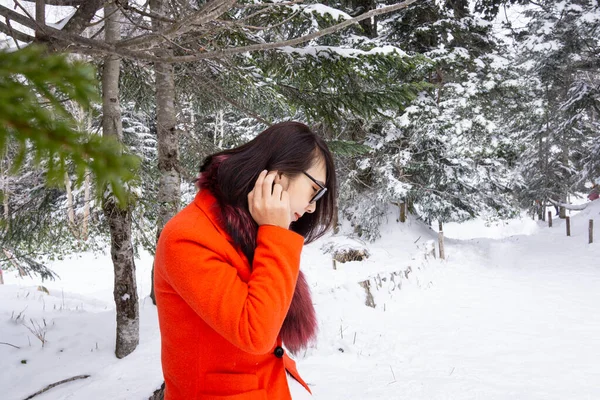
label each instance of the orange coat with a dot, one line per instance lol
(219, 320)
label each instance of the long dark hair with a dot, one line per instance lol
(287, 147)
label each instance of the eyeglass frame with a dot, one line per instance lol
(320, 193)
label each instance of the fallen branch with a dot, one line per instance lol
(8, 344)
(575, 207)
(56, 384)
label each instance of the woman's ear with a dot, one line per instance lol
(281, 179)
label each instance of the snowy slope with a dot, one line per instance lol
(515, 317)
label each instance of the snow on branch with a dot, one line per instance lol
(126, 48)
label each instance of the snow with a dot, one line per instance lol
(322, 10)
(316, 51)
(511, 313)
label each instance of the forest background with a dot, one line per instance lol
(449, 110)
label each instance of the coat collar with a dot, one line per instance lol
(207, 202)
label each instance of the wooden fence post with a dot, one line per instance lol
(549, 219)
(402, 212)
(1, 277)
(568, 219)
(591, 231)
(441, 241)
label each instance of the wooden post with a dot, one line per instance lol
(1, 277)
(402, 212)
(549, 219)
(591, 231)
(334, 263)
(441, 242)
(568, 225)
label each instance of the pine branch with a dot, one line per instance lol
(220, 93)
(291, 42)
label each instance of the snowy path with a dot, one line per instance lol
(520, 320)
(510, 319)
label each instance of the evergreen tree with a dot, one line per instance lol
(558, 50)
(42, 143)
(445, 154)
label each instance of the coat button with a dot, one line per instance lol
(278, 352)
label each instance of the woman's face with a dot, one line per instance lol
(302, 189)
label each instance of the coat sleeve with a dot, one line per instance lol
(248, 314)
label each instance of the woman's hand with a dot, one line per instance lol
(269, 204)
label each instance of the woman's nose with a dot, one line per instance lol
(311, 207)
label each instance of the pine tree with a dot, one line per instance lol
(558, 52)
(39, 134)
(444, 155)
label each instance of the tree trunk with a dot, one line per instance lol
(564, 196)
(5, 191)
(168, 136)
(86, 117)
(4, 179)
(40, 17)
(119, 216)
(70, 207)
(370, 24)
(86, 207)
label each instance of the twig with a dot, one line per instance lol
(394, 375)
(37, 331)
(8, 344)
(56, 384)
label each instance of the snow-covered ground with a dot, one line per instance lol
(512, 313)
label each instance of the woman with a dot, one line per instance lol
(228, 285)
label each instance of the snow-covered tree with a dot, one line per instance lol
(445, 154)
(558, 52)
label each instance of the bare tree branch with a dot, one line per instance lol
(15, 34)
(77, 43)
(70, 32)
(8, 344)
(126, 6)
(72, 3)
(209, 12)
(84, 14)
(291, 42)
(56, 384)
(71, 40)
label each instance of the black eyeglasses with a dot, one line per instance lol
(320, 192)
